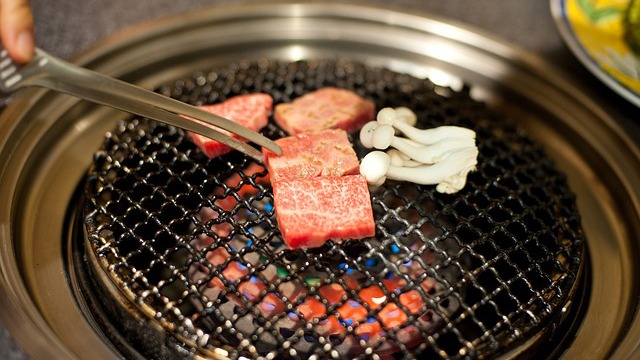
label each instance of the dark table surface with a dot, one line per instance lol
(68, 27)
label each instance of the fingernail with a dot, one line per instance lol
(25, 45)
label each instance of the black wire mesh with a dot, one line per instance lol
(195, 244)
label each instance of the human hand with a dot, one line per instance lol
(16, 29)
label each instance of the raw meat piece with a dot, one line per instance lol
(312, 210)
(251, 111)
(326, 153)
(327, 108)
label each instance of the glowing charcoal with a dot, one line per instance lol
(311, 308)
(333, 293)
(371, 262)
(282, 273)
(352, 311)
(392, 316)
(373, 296)
(395, 248)
(312, 281)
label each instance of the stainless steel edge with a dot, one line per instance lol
(47, 140)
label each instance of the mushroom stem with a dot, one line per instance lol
(454, 167)
(382, 137)
(442, 156)
(432, 136)
(400, 159)
(449, 174)
(431, 154)
(406, 115)
(388, 116)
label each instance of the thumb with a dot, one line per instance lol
(16, 29)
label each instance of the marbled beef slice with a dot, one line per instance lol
(311, 211)
(327, 108)
(326, 153)
(251, 111)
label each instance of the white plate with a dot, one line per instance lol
(594, 31)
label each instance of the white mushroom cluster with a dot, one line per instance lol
(441, 156)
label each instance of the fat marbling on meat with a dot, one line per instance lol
(326, 108)
(325, 153)
(250, 110)
(311, 211)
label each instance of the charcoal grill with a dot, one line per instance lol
(59, 303)
(454, 276)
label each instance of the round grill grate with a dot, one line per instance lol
(195, 244)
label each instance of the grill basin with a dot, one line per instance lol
(471, 274)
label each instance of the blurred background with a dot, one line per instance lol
(67, 28)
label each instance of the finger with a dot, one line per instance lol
(16, 29)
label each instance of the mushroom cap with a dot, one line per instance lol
(380, 181)
(386, 116)
(374, 166)
(383, 136)
(406, 115)
(396, 157)
(366, 134)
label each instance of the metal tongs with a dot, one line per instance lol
(47, 71)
